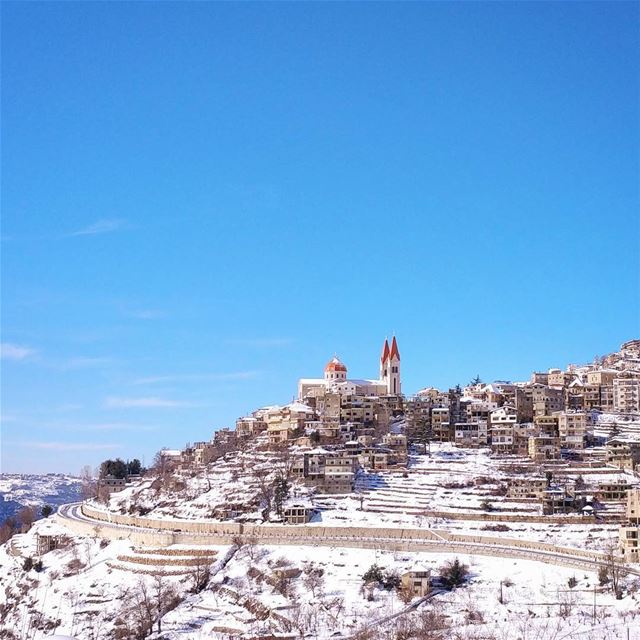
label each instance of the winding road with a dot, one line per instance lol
(72, 516)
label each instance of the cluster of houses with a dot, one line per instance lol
(571, 494)
(550, 415)
(339, 425)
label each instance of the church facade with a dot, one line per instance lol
(335, 378)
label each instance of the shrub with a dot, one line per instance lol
(27, 565)
(496, 527)
(572, 582)
(37, 566)
(485, 505)
(603, 575)
(453, 574)
(47, 510)
(373, 574)
(391, 580)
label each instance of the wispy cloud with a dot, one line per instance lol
(67, 446)
(196, 377)
(69, 406)
(260, 342)
(10, 351)
(83, 362)
(109, 426)
(146, 314)
(151, 402)
(105, 225)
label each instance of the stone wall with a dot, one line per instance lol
(400, 539)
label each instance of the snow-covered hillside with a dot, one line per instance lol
(21, 490)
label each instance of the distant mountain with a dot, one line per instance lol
(23, 490)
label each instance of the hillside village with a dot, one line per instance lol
(544, 475)
(569, 439)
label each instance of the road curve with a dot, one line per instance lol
(72, 516)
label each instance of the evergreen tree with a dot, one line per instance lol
(280, 494)
(453, 574)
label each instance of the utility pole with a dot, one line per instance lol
(594, 602)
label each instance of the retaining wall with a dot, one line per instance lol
(364, 537)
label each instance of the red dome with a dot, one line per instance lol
(335, 365)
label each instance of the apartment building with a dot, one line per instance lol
(558, 378)
(546, 400)
(540, 377)
(613, 489)
(417, 415)
(523, 400)
(630, 534)
(441, 424)
(249, 426)
(501, 427)
(470, 434)
(572, 428)
(283, 423)
(626, 395)
(602, 376)
(544, 447)
(546, 425)
(527, 488)
(624, 453)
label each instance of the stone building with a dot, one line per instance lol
(572, 428)
(630, 533)
(626, 395)
(624, 453)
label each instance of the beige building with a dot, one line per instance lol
(602, 376)
(613, 490)
(572, 428)
(558, 378)
(630, 534)
(417, 581)
(540, 377)
(529, 488)
(297, 514)
(327, 471)
(624, 453)
(397, 443)
(440, 424)
(546, 425)
(249, 426)
(544, 447)
(502, 422)
(546, 400)
(626, 395)
(283, 423)
(471, 434)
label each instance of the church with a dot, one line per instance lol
(335, 378)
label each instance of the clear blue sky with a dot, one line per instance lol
(203, 202)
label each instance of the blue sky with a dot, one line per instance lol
(203, 202)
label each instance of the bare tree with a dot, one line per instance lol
(314, 580)
(200, 574)
(88, 485)
(265, 493)
(251, 547)
(27, 516)
(615, 571)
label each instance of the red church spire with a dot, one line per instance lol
(385, 351)
(394, 349)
